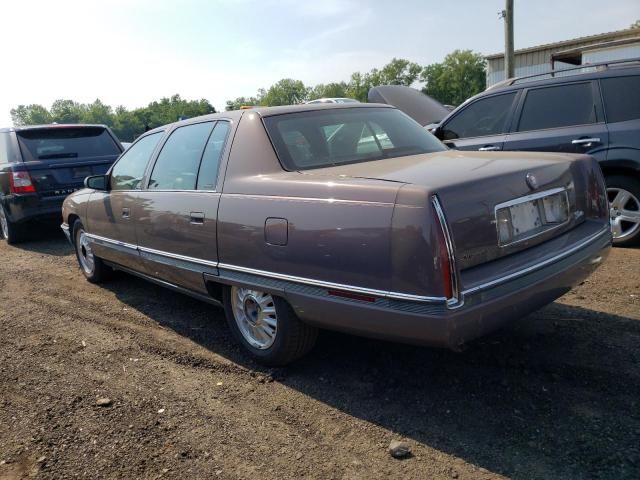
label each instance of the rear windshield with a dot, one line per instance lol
(326, 138)
(66, 143)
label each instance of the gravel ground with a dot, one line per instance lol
(556, 395)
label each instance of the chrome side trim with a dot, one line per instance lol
(331, 285)
(309, 199)
(67, 231)
(455, 301)
(175, 256)
(118, 243)
(533, 268)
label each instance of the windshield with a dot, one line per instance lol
(66, 143)
(326, 138)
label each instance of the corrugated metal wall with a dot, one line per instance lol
(539, 61)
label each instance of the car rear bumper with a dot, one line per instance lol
(27, 207)
(483, 310)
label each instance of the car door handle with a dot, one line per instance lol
(196, 218)
(489, 148)
(585, 142)
(125, 212)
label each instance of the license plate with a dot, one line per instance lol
(81, 172)
(526, 217)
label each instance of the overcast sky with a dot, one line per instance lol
(131, 52)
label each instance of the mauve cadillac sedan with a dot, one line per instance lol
(344, 216)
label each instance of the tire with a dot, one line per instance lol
(10, 231)
(290, 338)
(92, 267)
(623, 193)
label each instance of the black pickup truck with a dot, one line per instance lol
(41, 165)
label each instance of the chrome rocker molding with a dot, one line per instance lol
(451, 303)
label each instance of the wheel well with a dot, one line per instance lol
(610, 171)
(70, 221)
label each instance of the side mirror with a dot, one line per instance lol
(97, 182)
(437, 132)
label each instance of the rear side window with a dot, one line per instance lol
(555, 107)
(66, 143)
(128, 171)
(324, 138)
(487, 116)
(177, 165)
(4, 147)
(621, 98)
(208, 174)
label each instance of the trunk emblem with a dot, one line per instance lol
(532, 181)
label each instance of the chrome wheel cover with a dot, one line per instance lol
(255, 315)
(85, 254)
(624, 210)
(4, 224)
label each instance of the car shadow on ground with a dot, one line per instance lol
(555, 395)
(46, 239)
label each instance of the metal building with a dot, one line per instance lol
(603, 47)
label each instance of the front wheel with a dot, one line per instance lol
(93, 268)
(624, 207)
(266, 326)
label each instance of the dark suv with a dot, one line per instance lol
(573, 111)
(41, 165)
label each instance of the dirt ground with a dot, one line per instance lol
(556, 395)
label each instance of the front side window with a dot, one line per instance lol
(621, 98)
(487, 116)
(208, 174)
(177, 165)
(127, 173)
(324, 138)
(555, 107)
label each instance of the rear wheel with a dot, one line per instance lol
(9, 230)
(624, 208)
(93, 268)
(266, 326)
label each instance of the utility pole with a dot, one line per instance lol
(509, 64)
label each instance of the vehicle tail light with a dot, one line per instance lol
(20, 182)
(445, 257)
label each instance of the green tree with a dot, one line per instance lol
(30, 115)
(397, 72)
(127, 125)
(241, 101)
(328, 90)
(460, 76)
(285, 92)
(97, 112)
(67, 111)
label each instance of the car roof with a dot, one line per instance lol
(48, 126)
(268, 112)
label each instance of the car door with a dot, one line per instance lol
(177, 220)
(480, 125)
(560, 118)
(110, 214)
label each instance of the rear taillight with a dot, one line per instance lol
(20, 182)
(446, 260)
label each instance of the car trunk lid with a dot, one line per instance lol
(471, 185)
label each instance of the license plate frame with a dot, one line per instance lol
(525, 217)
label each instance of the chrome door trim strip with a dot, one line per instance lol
(533, 268)
(363, 290)
(332, 285)
(176, 256)
(308, 199)
(112, 242)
